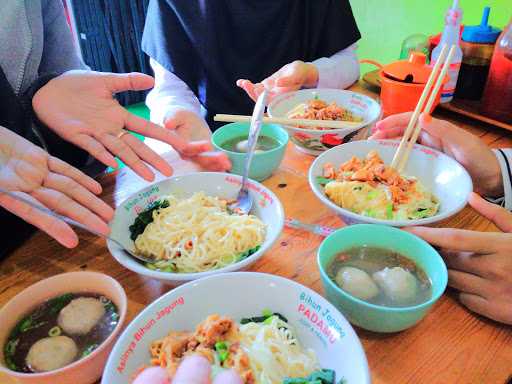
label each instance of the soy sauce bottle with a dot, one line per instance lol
(477, 46)
(497, 98)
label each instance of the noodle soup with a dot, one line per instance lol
(59, 332)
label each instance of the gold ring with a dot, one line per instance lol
(122, 133)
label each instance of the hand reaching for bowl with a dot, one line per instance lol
(291, 77)
(29, 171)
(194, 130)
(194, 370)
(466, 148)
(80, 108)
(479, 263)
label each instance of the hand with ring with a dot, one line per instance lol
(79, 107)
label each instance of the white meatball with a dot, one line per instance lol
(51, 353)
(397, 283)
(81, 315)
(242, 146)
(357, 282)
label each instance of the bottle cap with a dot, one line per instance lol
(483, 33)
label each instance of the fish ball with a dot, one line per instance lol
(357, 282)
(397, 283)
(242, 146)
(51, 353)
(81, 315)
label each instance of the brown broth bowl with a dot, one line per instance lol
(84, 371)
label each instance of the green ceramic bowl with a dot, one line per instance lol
(375, 317)
(263, 164)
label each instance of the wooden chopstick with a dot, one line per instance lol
(428, 108)
(286, 121)
(419, 107)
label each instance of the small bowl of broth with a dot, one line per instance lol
(61, 330)
(381, 278)
(270, 148)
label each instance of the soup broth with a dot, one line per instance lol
(265, 143)
(380, 276)
(44, 323)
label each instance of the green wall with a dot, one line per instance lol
(384, 24)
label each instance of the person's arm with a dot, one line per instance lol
(338, 71)
(169, 93)
(341, 70)
(59, 51)
(504, 157)
(173, 105)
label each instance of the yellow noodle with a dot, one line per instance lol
(198, 234)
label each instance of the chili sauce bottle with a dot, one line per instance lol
(497, 98)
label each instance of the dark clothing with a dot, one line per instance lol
(16, 114)
(209, 44)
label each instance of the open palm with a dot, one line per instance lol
(79, 106)
(28, 170)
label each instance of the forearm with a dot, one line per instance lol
(340, 70)
(169, 93)
(504, 157)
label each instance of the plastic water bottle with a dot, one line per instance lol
(450, 36)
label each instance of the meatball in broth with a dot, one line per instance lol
(380, 276)
(81, 315)
(59, 332)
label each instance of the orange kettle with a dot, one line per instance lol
(402, 83)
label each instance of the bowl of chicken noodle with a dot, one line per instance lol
(357, 109)
(269, 329)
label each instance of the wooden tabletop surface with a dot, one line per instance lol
(451, 345)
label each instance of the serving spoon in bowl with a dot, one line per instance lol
(70, 221)
(244, 201)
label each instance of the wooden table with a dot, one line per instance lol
(451, 345)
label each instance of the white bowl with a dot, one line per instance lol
(240, 295)
(314, 142)
(266, 206)
(440, 174)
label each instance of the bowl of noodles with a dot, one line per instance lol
(355, 181)
(326, 104)
(271, 330)
(184, 227)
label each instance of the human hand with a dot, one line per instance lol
(291, 77)
(194, 130)
(80, 108)
(32, 173)
(466, 148)
(193, 370)
(479, 263)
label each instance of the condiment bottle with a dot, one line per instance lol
(477, 47)
(450, 37)
(497, 98)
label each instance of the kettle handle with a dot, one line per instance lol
(372, 62)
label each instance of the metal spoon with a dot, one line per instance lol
(76, 224)
(244, 200)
